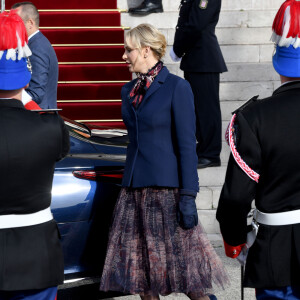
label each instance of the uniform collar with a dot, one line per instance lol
(287, 86)
(11, 103)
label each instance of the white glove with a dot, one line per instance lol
(251, 236)
(243, 255)
(174, 57)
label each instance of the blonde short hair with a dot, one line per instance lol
(146, 35)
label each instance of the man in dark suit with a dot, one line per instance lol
(264, 166)
(43, 85)
(31, 258)
(202, 62)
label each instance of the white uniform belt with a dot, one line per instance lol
(13, 221)
(282, 218)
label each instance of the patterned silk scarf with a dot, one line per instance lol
(143, 83)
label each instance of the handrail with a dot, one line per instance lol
(2, 5)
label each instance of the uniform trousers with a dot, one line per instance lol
(44, 294)
(286, 293)
(205, 88)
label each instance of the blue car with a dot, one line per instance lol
(85, 188)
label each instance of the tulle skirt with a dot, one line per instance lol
(149, 254)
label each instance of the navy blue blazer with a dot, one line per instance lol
(43, 83)
(162, 142)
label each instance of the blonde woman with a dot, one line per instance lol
(156, 246)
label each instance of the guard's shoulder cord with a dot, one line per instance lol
(229, 136)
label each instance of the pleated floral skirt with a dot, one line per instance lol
(149, 254)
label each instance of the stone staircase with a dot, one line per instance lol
(244, 32)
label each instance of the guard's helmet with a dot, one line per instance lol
(15, 68)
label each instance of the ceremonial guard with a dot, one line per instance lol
(264, 165)
(197, 47)
(31, 258)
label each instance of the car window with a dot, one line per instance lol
(97, 134)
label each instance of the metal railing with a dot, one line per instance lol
(2, 5)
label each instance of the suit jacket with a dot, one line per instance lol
(30, 144)
(267, 140)
(195, 40)
(162, 143)
(43, 83)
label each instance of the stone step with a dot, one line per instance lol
(228, 19)
(227, 107)
(251, 4)
(245, 90)
(233, 36)
(236, 90)
(265, 51)
(207, 203)
(237, 5)
(239, 54)
(239, 91)
(213, 176)
(208, 197)
(247, 53)
(245, 72)
(242, 72)
(224, 154)
(209, 222)
(225, 35)
(246, 18)
(164, 20)
(242, 36)
(224, 128)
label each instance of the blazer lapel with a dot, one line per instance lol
(156, 84)
(128, 101)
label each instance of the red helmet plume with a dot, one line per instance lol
(12, 31)
(286, 25)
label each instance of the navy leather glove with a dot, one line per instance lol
(187, 216)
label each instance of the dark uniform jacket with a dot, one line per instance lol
(268, 141)
(195, 40)
(30, 144)
(43, 84)
(162, 142)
